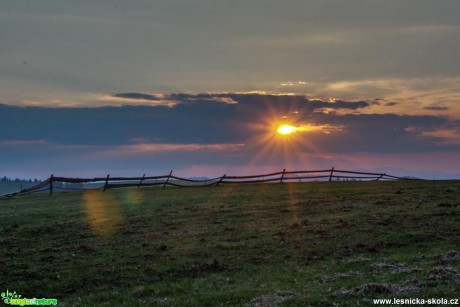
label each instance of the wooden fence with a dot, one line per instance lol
(54, 183)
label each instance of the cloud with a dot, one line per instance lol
(203, 119)
(145, 148)
(408, 95)
(211, 130)
(378, 133)
(436, 108)
(94, 160)
(140, 96)
(23, 142)
(203, 160)
(312, 128)
(122, 99)
(291, 83)
(203, 132)
(447, 134)
(257, 98)
(173, 99)
(431, 29)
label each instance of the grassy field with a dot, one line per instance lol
(319, 244)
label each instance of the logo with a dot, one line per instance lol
(12, 298)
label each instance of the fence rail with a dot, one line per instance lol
(53, 183)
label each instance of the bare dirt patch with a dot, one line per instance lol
(441, 272)
(272, 300)
(379, 288)
(451, 257)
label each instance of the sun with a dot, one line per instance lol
(286, 129)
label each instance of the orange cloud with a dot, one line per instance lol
(446, 136)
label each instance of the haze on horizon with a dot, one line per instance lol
(89, 88)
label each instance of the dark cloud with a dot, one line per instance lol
(376, 133)
(216, 118)
(200, 123)
(205, 130)
(436, 108)
(390, 104)
(137, 96)
(261, 100)
(340, 104)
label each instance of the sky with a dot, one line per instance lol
(200, 87)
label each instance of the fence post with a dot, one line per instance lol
(282, 176)
(140, 182)
(167, 179)
(330, 176)
(51, 184)
(381, 176)
(106, 183)
(221, 178)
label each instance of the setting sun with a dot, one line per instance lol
(286, 129)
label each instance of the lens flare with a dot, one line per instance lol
(102, 212)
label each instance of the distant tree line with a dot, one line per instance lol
(8, 179)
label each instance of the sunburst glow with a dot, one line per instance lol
(286, 129)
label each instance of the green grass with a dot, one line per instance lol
(297, 244)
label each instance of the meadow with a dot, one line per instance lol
(291, 244)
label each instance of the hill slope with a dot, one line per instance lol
(286, 244)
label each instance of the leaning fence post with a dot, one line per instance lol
(51, 184)
(381, 176)
(221, 178)
(167, 179)
(106, 183)
(282, 176)
(330, 176)
(140, 182)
